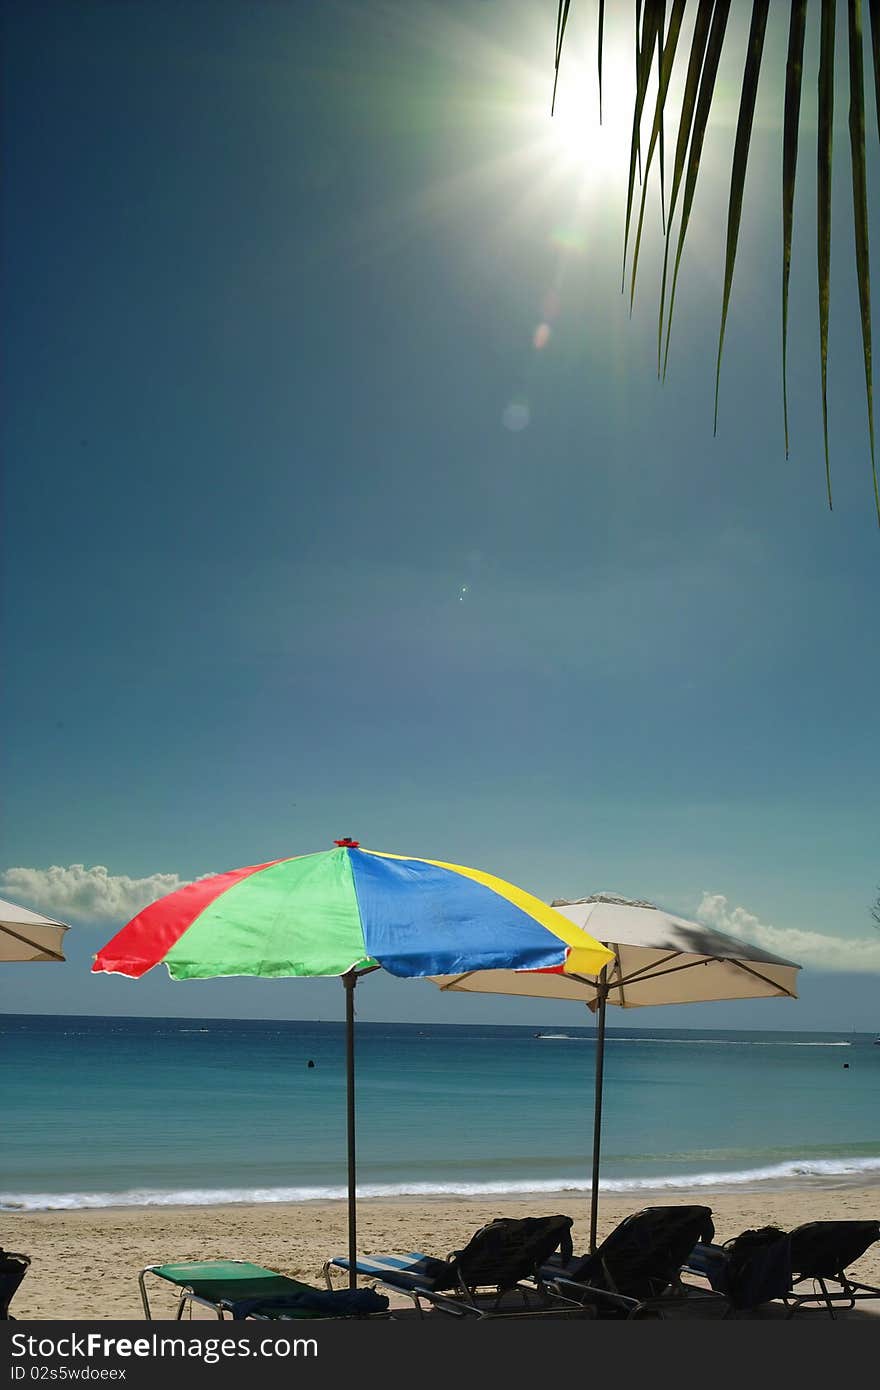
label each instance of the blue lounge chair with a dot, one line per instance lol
(503, 1257)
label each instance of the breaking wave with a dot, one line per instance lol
(794, 1172)
(688, 1042)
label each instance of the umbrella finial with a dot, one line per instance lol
(347, 843)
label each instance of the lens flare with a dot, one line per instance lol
(516, 416)
(541, 337)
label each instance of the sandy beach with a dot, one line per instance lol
(85, 1263)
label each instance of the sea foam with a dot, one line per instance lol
(794, 1172)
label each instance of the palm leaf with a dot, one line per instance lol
(638, 69)
(793, 73)
(695, 67)
(860, 207)
(874, 10)
(561, 21)
(599, 46)
(669, 49)
(706, 46)
(701, 120)
(661, 44)
(823, 236)
(653, 10)
(754, 53)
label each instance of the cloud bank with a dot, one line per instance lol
(91, 895)
(74, 892)
(823, 952)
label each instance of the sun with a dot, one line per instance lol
(574, 136)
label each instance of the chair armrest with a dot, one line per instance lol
(571, 1287)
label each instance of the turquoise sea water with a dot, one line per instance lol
(102, 1111)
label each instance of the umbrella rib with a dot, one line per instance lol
(766, 980)
(35, 945)
(581, 979)
(457, 979)
(648, 971)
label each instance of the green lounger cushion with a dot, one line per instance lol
(244, 1288)
(228, 1279)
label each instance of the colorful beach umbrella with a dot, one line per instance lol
(346, 912)
(656, 958)
(27, 935)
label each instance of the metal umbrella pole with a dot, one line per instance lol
(349, 981)
(602, 996)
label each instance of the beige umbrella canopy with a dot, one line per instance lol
(26, 935)
(658, 959)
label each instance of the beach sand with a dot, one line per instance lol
(85, 1263)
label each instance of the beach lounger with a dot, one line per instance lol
(636, 1271)
(477, 1280)
(779, 1267)
(237, 1289)
(13, 1268)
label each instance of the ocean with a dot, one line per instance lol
(149, 1111)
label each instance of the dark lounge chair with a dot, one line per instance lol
(13, 1268)
(779, 1267)
(476, 1280)
(821, 1252)
(636, 1271)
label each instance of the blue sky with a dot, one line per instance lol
(304, 536)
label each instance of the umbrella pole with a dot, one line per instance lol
(602, 992)
(349, 981)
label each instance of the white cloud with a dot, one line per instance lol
(823, 952)
(92, 895)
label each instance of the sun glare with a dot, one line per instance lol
(574, 134)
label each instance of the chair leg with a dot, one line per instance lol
(828, 1304)
(146, 1302)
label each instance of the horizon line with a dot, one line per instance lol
(413, 1023)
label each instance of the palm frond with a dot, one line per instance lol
(561, 21)
(661, 42)
(600, 43)
(860, 208)
(638, 69)
(701, 120)
(669, 49)
(754, 53)
(874, 11)
(658, 26)
(653, 10)
(793, 74)
(823, 210)
(695, 67)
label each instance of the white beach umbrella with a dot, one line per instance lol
(658, 959)
(27, 935)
